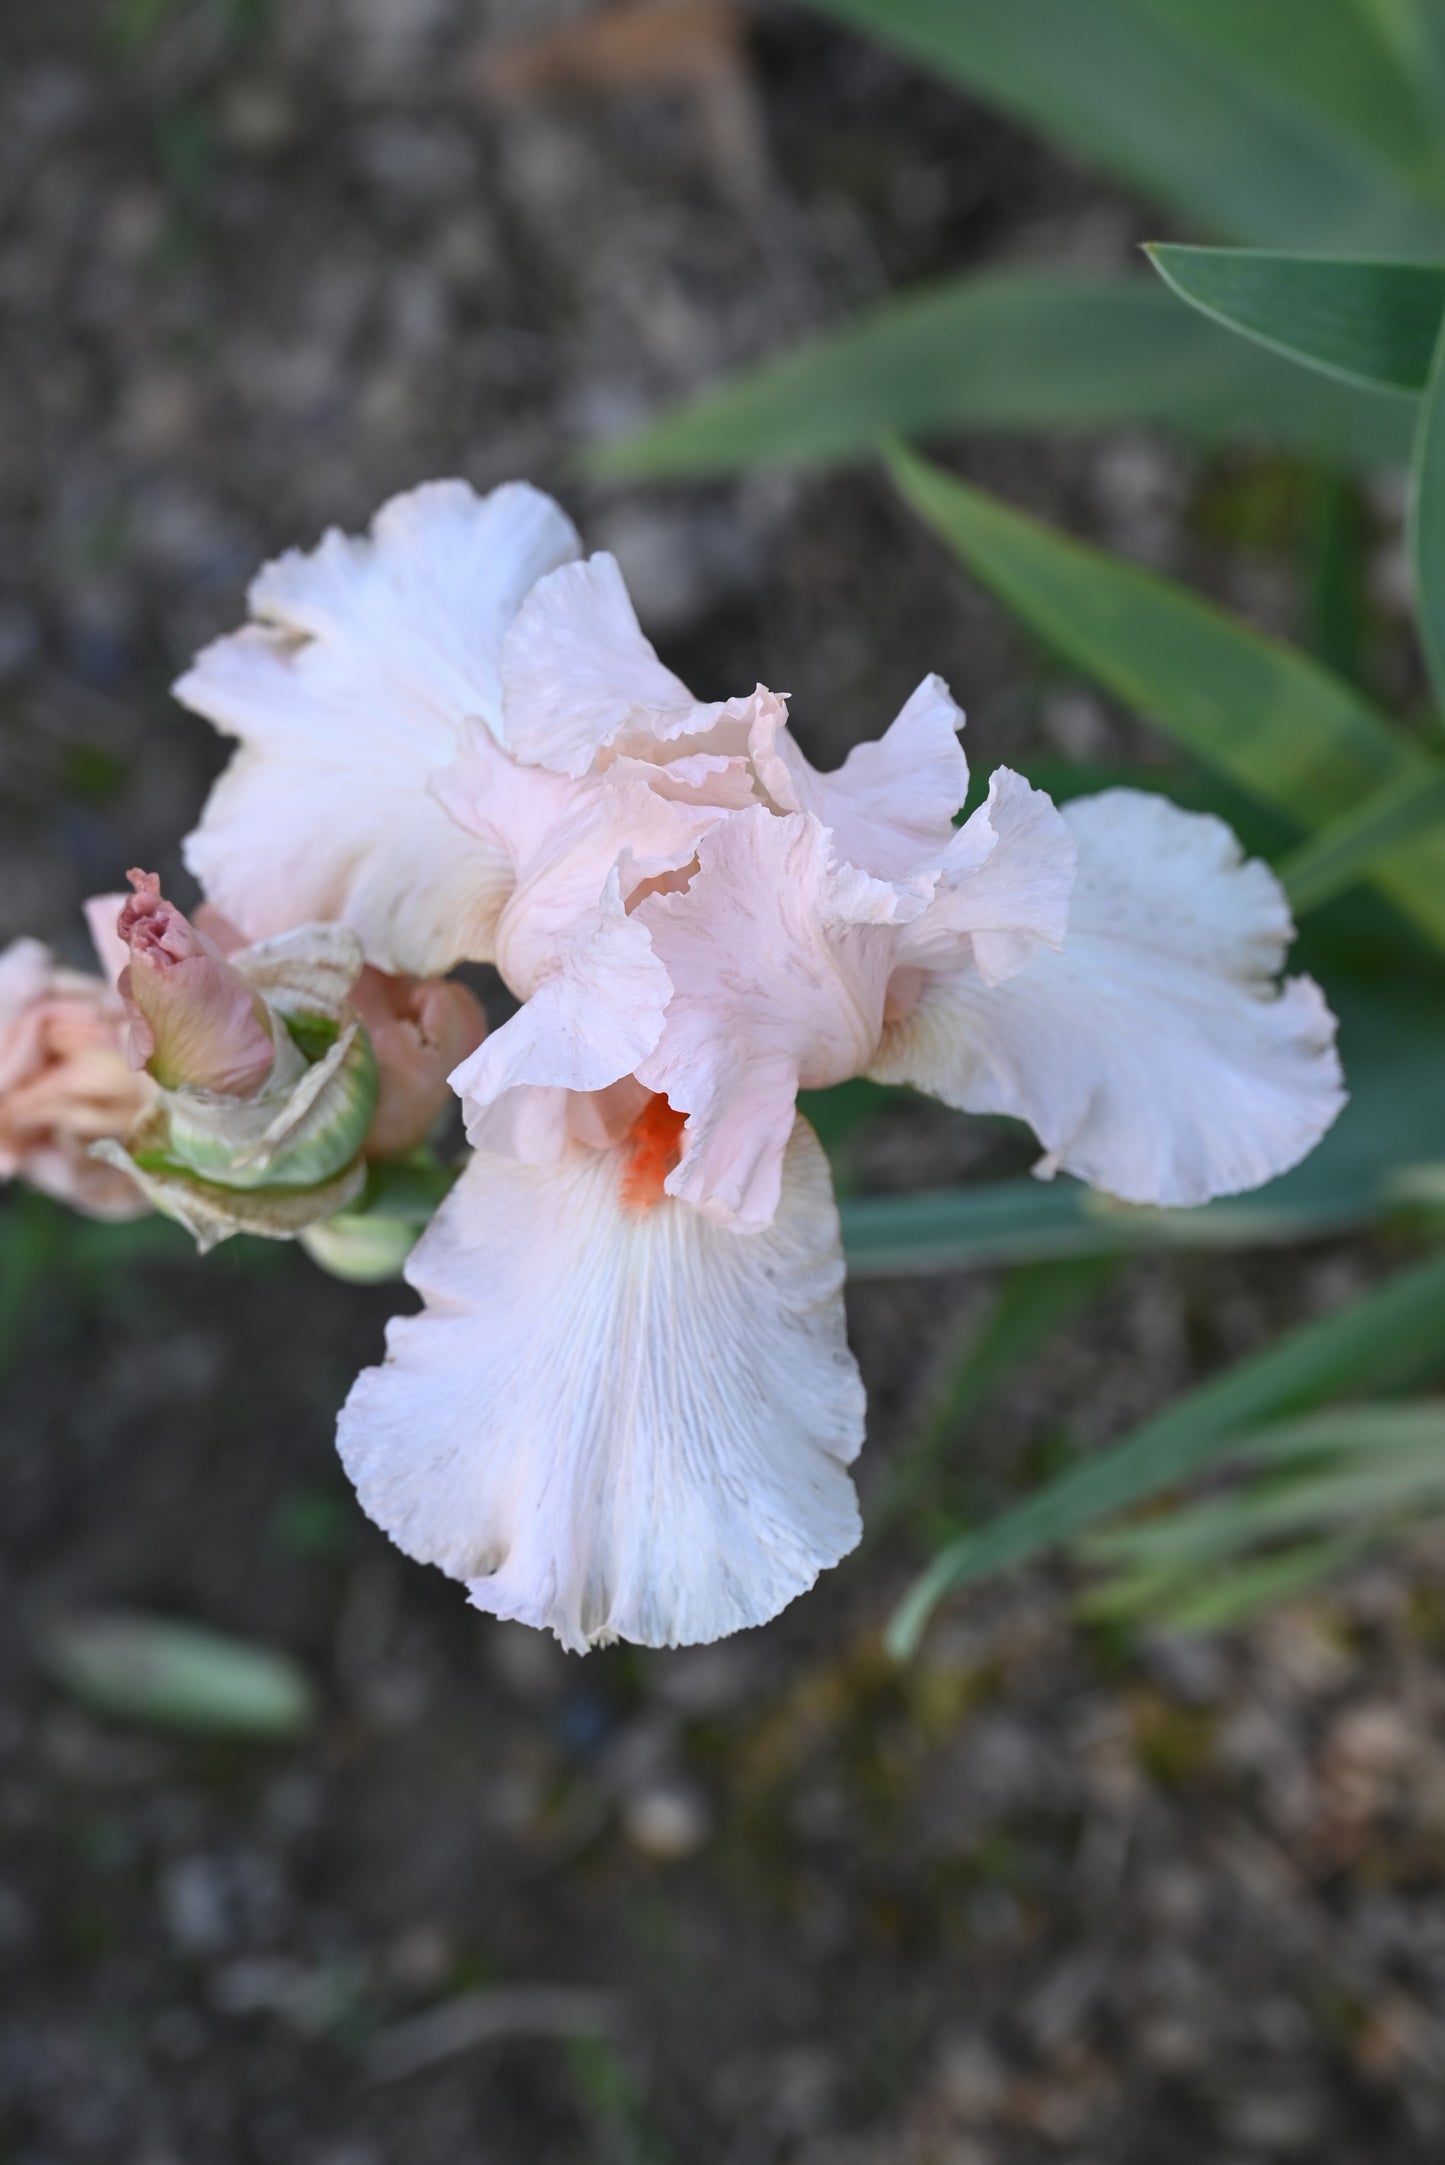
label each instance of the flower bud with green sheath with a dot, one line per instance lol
(268, 1083)
(420, 1030)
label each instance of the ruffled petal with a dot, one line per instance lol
(612, 1422)
(531, 831)
(579, 852)
(592, 1016)
(560, 840)
(579, 679)
(1154, 1057)
(780, 958)
(346, 696)
(425, 600)
(890, 806)
(1004, 886)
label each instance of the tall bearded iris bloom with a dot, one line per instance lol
(627, 1407)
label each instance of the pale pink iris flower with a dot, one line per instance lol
(65, 1082)
(628, 1407)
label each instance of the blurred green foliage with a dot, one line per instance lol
(134, 24)
(173, 1675)
(1289, 127)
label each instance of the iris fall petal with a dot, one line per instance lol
(615, 1419)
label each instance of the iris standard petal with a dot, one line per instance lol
(780, 959)
(580, 680)
(369, 656)
(890, 806)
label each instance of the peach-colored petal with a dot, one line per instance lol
(350, 691)
(540, 1126)
(420, 1029)
(579, 679)
(193, 1020)
(782, 955)
(65, 1082)
(538, 835)
(780, 959)
(590, 1020)
(615, 1420)
(1155, 1056)
(580, 852)
(726, 782)
(27, 974)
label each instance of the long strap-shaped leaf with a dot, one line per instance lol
(1415, 30)
(1021, 350)
(1380, 323)
(1225, 1598)
(1279, 725)
(1027, 1221)
(1030, 1306)
(1208, 118)
(1336, 63)
(1390, 1335)
(1427, 521)
(1359, 843)
(1378, 1476)
(1329, 1484)
(1357, 319)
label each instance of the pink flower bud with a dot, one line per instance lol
(193, 1020)
(420, 1029)
(65, 1083)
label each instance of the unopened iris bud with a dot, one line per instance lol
(234, 1145)
(194, 1021)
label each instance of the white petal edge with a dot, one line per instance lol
(1004, 888)
(612, 1424)
(347, 695)
(1154, 1056)
(596, 1014)
(890, 806)
(579, 678)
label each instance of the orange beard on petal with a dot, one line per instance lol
(653, 1146)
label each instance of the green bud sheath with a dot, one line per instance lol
(301, 1132)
